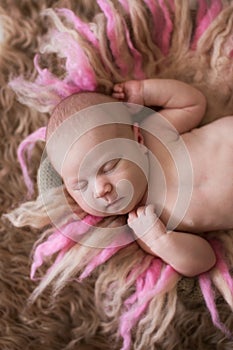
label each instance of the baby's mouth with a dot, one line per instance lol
(114, 202)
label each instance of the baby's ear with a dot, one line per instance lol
(137, 134)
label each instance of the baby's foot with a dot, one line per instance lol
(145, 223)
(129, 91)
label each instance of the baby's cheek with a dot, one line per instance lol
(77, 198)
(81, 200)
(86, 202)
(125, 188)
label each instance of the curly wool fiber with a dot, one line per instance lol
(94, 48)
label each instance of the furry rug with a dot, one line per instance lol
(73, 321)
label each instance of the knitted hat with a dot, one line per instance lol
(47, 177)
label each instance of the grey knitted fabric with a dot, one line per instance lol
(47, 177)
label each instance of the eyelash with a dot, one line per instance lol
(81, 186)
(110, 165)
(113, 163)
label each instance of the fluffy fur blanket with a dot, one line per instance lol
(197, 47)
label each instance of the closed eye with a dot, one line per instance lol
(110, 165)
(81, 185)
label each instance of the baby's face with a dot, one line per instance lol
(104, 173)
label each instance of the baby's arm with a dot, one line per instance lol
(188, 254)
(182, 105)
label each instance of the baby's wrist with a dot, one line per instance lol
(143, 89)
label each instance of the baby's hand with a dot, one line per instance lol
(130, 91)
(145, 223)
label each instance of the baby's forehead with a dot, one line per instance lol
(104, 117)
(95, 116)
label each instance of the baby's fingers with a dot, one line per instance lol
(132, 216)
(118, 95)
(118, 87)
(141, 210)
(150, 210)
(118, 91)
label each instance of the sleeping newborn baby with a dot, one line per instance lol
(173, 180)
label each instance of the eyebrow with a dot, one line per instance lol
(111, 156)
(107, 157)
(104, 159)
(72, 181)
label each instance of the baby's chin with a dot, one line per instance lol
(121, 206)
(112, 212)
(107, 214)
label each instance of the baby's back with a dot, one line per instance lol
(193, 186)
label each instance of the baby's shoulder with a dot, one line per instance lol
(155, 125)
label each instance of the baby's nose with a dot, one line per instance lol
(102, 188)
